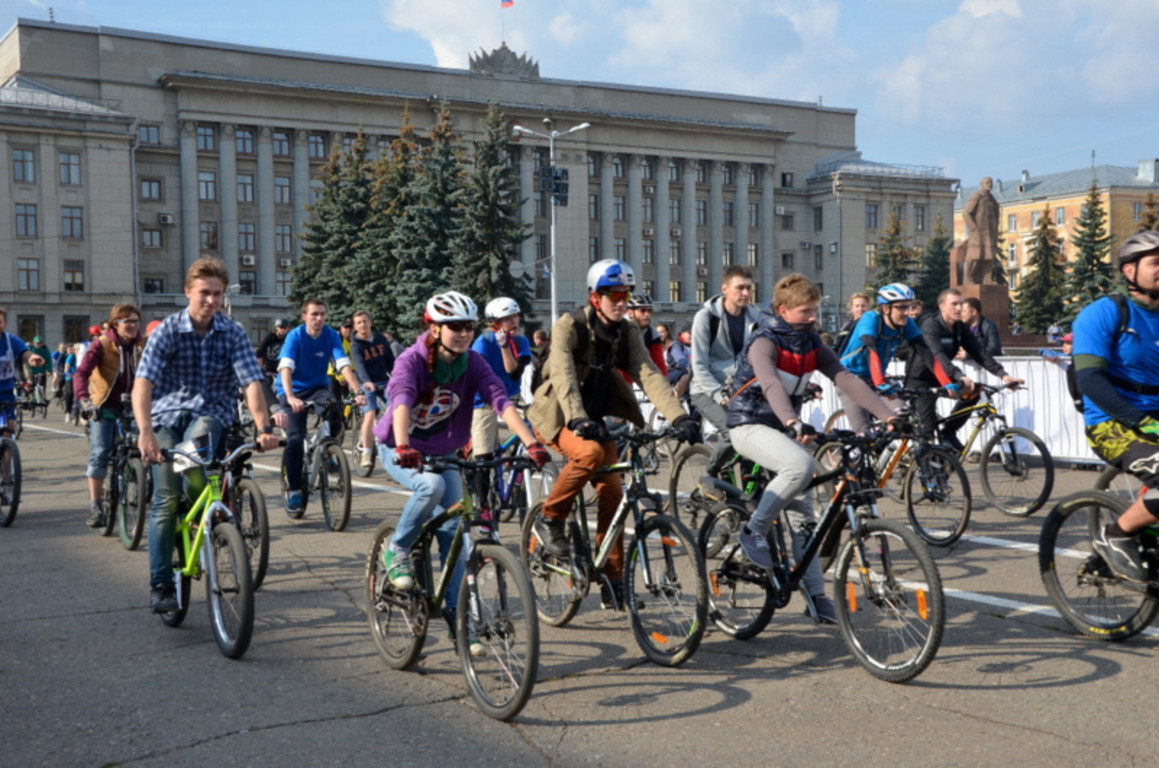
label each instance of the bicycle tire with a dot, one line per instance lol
(248, 505)
(111, 499)
(10, 481)
(229, 590)
(937, 512)
(1008, 482)
(668, 605)
(683, 485)
(398, 618)
(502, 619)
(827, 456)
(836, 421)
(333, 475)
(132, 506)
(1120, 483)
(17, 422)
(1092, 599)
(559, 586)
(740, 596)
(720, 525)
(895, 632)
(182, 583)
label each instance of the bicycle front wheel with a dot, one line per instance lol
(740, 596)
(497, 616)
(229, 590)
(559, 589)
(334, 486)
(398, 618)
(937, 496)
(9, 481)
(1089, 596)
(249, 510)
(111, 498)
(182, 584)
(665, 590)
(890, 605)
(133, 503)
(1017, 471)
(684, 496)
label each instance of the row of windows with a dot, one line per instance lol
(207, 188)
(675, 290)
(247, 279)
(675, 170)
(244, 141)
(28, 275)
(871, 216)
(246, 237)
(648, 250)
(675, 210)
(71, 221)
(24, 167)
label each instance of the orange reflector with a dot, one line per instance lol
(668, 541)
(923, 609)
(851, 596)
(659, 637)
(715, 585)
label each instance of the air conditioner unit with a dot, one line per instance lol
(249, 260)
(832, 247)
(675, 232)
(779, 210)
(286, 262)
(806, 245)
(649, 189)
(702, 271)
(649, 231)
(166, 218)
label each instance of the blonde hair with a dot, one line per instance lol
(795, 290)
(206, 268)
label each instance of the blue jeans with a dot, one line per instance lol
(101, 433)
(295, 453)
(374, 401)
(433, 494)
(168, 490)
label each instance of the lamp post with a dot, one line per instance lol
(551, 136)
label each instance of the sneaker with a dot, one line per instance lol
(474, 646)
(613, 598)
(294, 505)
(756, 547)
(1121, 554)
(952, 440)
(367, 460)
(398, 569)
(826, 610)
(163, 599)
(553, 534)
(96, 515)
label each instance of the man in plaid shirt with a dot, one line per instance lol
(186, 387)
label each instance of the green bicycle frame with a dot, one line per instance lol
(461, 509)
(191, 526)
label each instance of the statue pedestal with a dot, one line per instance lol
(995, 303)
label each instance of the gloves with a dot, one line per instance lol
(538, 454)
(954, 390)
(1149, 426)
(899, 425)
(587, 429)
(799, 429)
(888, 388)
(688, 428)
(87, 409)
(407, 457)
(501, 337)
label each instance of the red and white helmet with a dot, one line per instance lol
(449, 307)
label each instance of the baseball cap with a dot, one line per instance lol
(37, 339)
(94, 330)
(1068, 338)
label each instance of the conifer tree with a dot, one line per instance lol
(934, 273)
(1150, 218)
(1091, 275)
(1040, 297)
(895, 259)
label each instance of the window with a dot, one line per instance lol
(871, 254)
(1012, 222)
(246, 238)
(897, 209)
(24, 166)
(788, 223)
(728, 213)
(283, 238)
(752, 258)
(150, 189)
(282, 283)
(206, 138)
(25, 220)
(726, 254)
(701, 212)
(348, 144)
(726, 173)
(74, 275)
(919, 218)
(674, 290)
(76, 328)
(1035, 217)
(617, 167)
(648, 254)
(871, 215)
(317, 145)
(818, 218)
(152, 285)
(646, 169)
(818, 258)
(248, 279)
(208, 231)
(206, 185)
(648, 208)
(151, 238)
(701, 253)
(649, 287)
(593, 249)
(593, 165)
(1012, 255)
(618, 207)
(28, 274)
(316, 190)
(701, 292)
(594, 207)
(541, 248)
(787, 179)
(754, 215)
(538, 159)
(755, 298)
(787, 260)
(754, 175)
(281, 144)
(540, 199)
(1138, 211)
(1060, 216)
(674, 211)
(244, 141)
(71, 222)
(620, 248)
(148, 133)
(245, 188)
(30, 326)
(701, 173)
(673, 175)
(282, 194)
(70, 168)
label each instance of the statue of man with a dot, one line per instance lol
(981, 217)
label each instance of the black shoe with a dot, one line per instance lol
(1122, 555)
(951, 439)
(96, 516)
(612, 598)
(163, 599)
(553, 534)
(826, 610)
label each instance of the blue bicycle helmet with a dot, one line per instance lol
(888, 294)
(611, 274)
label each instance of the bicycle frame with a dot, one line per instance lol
(193, 541)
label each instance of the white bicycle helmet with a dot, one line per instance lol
(1138, 245)
(611, 274)
(449, 307)
(502, 307)
(888, 294)
(640, 301)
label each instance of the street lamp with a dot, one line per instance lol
(551, 136)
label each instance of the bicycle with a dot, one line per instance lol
(208, 543)
(352, 416)
(243, 495)
(516, 489)
(664, 584)
(10, 468)
(495, 605)
(887, 588)
(326, 471)
(128, 486)
(1087, 593)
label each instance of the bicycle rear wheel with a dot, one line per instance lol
(1120, 483)
(334, 486)
(229, 590)
(497, 610)
(182, 583)
(111, 498)
(739, 593)
(684, 497)
(665, 591)
(398, 618)
(1017, 471)
(249, 510)
(890, 606)
(9, 481)
(1090, 597)
(937, 496)
(559, 586)
(133, 503)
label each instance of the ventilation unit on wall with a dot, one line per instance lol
(779, 210)
(649, 231)
(248, 260)
(287, 262)
(166, 218)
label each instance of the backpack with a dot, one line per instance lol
(539, 359)
(1124, 326)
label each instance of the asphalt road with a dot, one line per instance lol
(90, 677)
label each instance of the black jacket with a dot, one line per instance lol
(944, 343)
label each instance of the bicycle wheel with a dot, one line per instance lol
(538, 483)
(890, 607)
(828, 457)
(182, 583)
(398, 618)
(249, 510)
(836, 421)
(937, 496)
(111, 498)
(133, 503)
(1120, 483)
(684, 497)
(9, 481)
(229, 590)
(334, 486)
(665, 591)
(1089, 596)
(1017, 471)
(497, 609)
(740, 597)
(16, 423)
(559, 585)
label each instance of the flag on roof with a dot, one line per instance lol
(507, 3)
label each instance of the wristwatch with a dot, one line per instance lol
(266, 430)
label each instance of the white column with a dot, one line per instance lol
(635, 214)
(190, 221)
(715, 225)
(740, 215)
(227, 196)
(527, 210)
(688, 215)
(264, 188)
(663, 225)
(768, 257)
(607, 208)
(301, 185)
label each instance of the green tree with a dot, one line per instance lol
(895, 259)
(1091, 274)
(934, 270)
(491, 229)
(1150, 218)
(1040, 297)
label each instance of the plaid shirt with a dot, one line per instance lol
(199, 374)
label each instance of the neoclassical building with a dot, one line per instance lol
(187, 147)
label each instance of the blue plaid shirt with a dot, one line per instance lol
(199, 374)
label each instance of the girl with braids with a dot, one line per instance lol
(432, 396)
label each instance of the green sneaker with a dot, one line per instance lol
(397, 569)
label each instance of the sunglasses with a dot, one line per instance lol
(902, 307)
(460, 326)
(617, 296)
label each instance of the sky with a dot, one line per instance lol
(976, 87)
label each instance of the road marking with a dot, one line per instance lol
(52, 430)
(1017, 607)
(354, 483)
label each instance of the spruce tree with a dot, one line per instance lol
(1040, 297)
(1091, 275)
(1150, 218)
(934, 273)
(895, 259)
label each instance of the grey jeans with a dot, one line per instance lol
(715, 414)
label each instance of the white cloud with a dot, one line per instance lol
(980, 8)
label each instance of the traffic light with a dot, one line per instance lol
(546, 178)
(560, 187)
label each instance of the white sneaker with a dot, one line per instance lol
(367, 460)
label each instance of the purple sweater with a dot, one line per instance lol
(442, 424)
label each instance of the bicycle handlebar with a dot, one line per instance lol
(211, 463)
(441, 463)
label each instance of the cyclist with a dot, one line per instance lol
(373, 361)
(430, 394)
(269, 352)
(186, 387)
(508, 353)
(874, 340)
(103, 376)
(582, 383)
(68, 371)
(58, 357)
(338, 386)
(39, 373)
(302, 382)
(14, 355)
(1118, 370)
(771, 385)
(640, 312)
